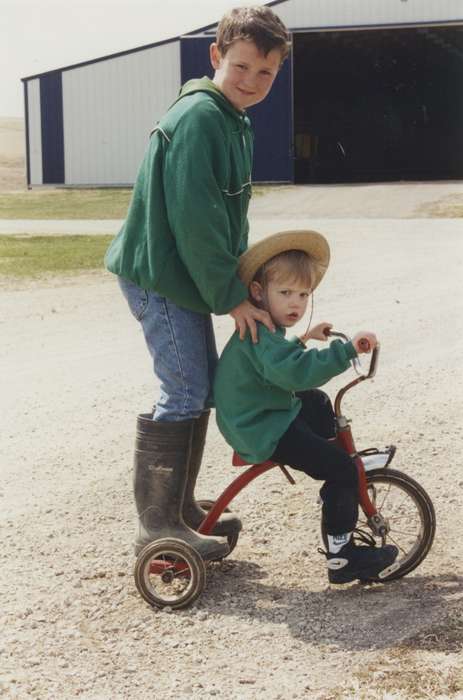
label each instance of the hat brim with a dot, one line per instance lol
(310, 242)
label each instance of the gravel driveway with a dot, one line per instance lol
(74, 375)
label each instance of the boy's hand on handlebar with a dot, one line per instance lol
(364, 342)
(318, 332)
(246, 315)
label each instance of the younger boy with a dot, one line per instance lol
(259, 412)
(176, 258)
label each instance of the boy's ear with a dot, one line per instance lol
(215, 56)
(256, 291)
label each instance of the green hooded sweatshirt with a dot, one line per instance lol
(187, 221)
(255, 385)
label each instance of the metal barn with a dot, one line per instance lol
(372, 92)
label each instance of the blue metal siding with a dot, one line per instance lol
(28, 154)
(194, 58)
(51, 110)
(271, 120)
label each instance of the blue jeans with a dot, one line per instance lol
(182, 345)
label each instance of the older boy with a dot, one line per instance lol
(176, 257)
(259, 412)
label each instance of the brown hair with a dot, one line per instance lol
(258, 24)
(291, 265)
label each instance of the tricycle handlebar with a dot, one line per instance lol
(355, 362)
(361, 377)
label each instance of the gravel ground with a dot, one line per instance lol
(74, 374)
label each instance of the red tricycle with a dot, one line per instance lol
(394, 509)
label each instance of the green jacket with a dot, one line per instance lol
(187, 221)
(255, 384)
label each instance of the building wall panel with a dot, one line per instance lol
(35, 132)
(109, 110)
(346, 13)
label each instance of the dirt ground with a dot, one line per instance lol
(74, 375)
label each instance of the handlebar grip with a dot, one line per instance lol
(364, 345)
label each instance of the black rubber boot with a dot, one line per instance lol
(359, 562)
(162, 451)
(193, 514)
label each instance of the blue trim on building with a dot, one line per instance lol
(51, 113)
(26, 121)
(194, 58)
(272, 122)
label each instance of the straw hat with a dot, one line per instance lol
(311, 242)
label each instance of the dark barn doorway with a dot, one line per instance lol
(378, 105)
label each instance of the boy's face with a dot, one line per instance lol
(286, 302)
(244, 74)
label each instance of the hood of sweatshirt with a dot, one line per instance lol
(205, 84)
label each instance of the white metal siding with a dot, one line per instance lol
(109, 109)
(353, 13)
(35, 132)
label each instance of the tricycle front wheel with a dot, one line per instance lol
(409, 514)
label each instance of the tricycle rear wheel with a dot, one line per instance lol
(169, 573)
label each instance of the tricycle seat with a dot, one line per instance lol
(238, 461)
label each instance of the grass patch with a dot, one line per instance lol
(65, 204)
(77, 204)
(261, 190)
(400, 674)
(450, 207)
(35, 256)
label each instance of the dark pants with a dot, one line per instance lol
(305, 447)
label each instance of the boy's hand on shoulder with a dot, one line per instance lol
(364, 341)
(246, 315)
(318, 332)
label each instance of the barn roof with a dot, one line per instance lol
(127, 52)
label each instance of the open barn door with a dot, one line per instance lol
(272, 119)
(378, 105)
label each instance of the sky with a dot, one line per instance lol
(39, 35)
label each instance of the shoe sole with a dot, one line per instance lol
(340, 578)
